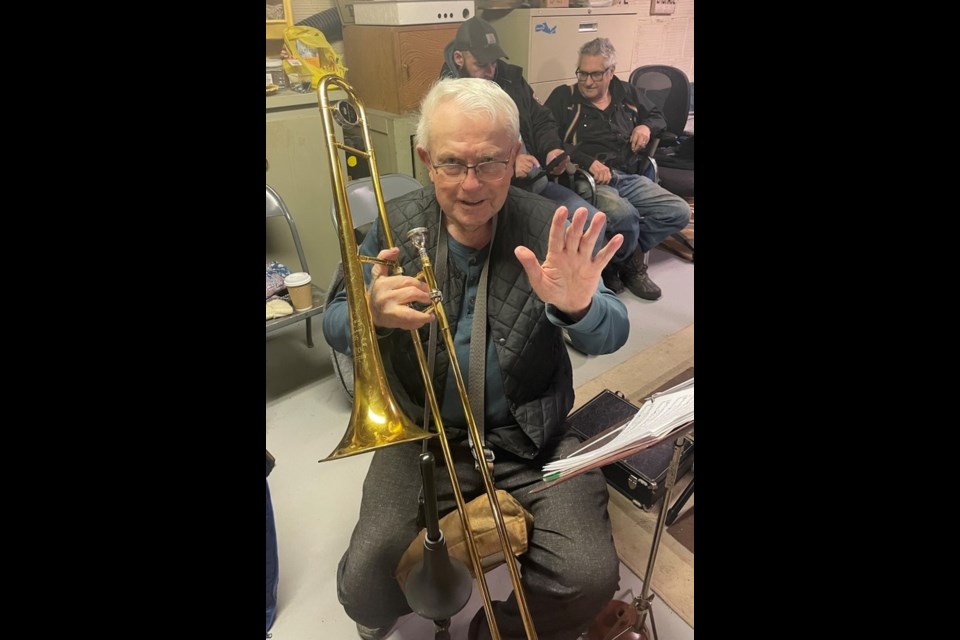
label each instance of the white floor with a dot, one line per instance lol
(316, 505)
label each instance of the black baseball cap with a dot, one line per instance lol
(479, 38)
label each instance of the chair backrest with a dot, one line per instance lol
(669, 89)
(277, 208)
(363, 210)
(363, 200)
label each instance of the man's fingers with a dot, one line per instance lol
(609, 250)
(528, 260)
(410, 318)
(556, 242)
(377, 270)
(575, 230)
(597, 225)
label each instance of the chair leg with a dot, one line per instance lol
(310, 332)
(682, 239)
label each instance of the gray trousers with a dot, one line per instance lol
(569, 572)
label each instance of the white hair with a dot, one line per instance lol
(600, 47)
(472, 97)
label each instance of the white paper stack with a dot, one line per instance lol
(657, 418)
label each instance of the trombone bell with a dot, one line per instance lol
(376, 420)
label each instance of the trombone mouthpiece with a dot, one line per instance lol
(418, 237)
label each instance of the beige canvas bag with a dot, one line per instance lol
(518, 522)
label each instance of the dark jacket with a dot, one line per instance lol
(535, 366)
(604, 135)
(537, 126)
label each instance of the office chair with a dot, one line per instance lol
(276, 208)
(669, 88)
(363, 211)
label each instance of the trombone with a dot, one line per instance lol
(377, 420)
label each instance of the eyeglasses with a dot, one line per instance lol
(596, 76)
(490, 171)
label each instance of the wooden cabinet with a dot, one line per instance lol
(279, 17)
(391, 68)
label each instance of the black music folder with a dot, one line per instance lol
(642, 476)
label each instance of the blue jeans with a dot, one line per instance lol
(646, 212)
(273, 563)
(567, 198)
(622, 218)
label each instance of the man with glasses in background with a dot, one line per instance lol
(510, 256)
(609, 123)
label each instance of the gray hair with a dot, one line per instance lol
(600, 47)
(472, 97)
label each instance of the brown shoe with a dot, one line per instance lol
(611, 278)
(633, 274)
(642, 286)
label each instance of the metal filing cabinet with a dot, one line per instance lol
(545, 41)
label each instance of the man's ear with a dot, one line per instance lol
(425, 159)
(516, 151)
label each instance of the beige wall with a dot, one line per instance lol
(667, 39)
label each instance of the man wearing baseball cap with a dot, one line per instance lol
(480, 39)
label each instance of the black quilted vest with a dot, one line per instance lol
(535, 365)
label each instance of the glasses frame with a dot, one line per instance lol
(596, 76)
(467, 167)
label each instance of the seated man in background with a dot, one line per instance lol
(541, 279)
(609, 123)
(475, 53)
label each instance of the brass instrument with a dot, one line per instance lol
(377, 421)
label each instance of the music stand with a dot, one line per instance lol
(619, 620)
(642, 603)
(632, 621)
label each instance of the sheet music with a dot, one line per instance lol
(658, 417)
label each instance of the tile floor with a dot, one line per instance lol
(316, 505)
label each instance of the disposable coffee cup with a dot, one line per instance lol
(298, 286)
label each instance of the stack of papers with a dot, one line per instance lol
(660, 416)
